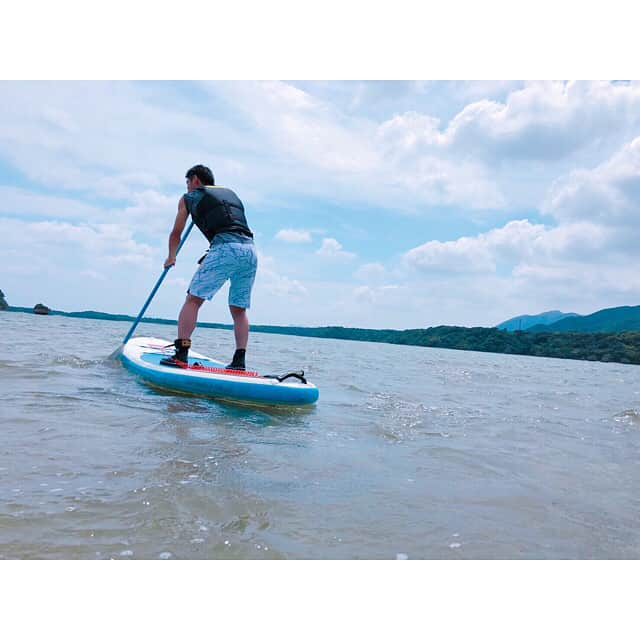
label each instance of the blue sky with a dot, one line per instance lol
(375, 204)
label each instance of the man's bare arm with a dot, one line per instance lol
(176, 232)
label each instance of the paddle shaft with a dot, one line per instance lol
(155, 289)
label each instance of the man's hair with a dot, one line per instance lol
(204, 174)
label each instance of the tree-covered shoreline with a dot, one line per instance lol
(622, 347)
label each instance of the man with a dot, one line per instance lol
(219, 214)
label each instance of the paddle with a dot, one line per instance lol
(117, 352)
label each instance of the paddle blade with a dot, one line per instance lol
(116, 354)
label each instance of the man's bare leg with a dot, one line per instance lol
(241, 333)
(240, 326)
(186, 324)
(189, 316)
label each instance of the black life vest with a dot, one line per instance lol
(217, 210)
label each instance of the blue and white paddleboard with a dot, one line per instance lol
(207, 377)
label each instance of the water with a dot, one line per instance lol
(410, 453)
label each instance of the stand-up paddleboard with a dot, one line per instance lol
(204, 376)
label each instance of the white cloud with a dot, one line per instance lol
(608, 194)
(457, 256)
(284, 287)
(106, 138)
(371, 272)
(303, 127)
(581, 241)
(102, 138)
(109, 243)
(474, 90)
(545, 119)
(94, 275)
(579, 266)
(22, 202)
(359, 159)
(269, 280)
(332, 249)
(181, 283)
(452, 183)
(519, 247)
(152, 211)
(477, 254)
(294, 236)
(410, 131)
(385, 295)
(118, 139)
(542, 120)
(76, 266)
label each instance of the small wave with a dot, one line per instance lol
(631, 417)
(398, 419)
(113, 362)
(75, 362)
(26, 372)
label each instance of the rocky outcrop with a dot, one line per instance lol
(3, 303)
(41, 309)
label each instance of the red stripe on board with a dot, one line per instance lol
(228, 372)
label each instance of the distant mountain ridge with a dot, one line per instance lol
(623, 347)
(522, 323)
(612, 320)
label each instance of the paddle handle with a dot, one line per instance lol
(155, 289)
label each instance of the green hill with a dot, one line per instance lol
(522, 323)
(611, 320)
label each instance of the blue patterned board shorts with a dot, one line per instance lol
(233, 261)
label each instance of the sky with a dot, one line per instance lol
(378, 204)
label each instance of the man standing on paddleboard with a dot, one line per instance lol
(219, 214)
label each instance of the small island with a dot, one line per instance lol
(41, 309)
(3, 303)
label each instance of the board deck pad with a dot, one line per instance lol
(199, 364)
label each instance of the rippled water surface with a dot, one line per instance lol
(410, 452)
